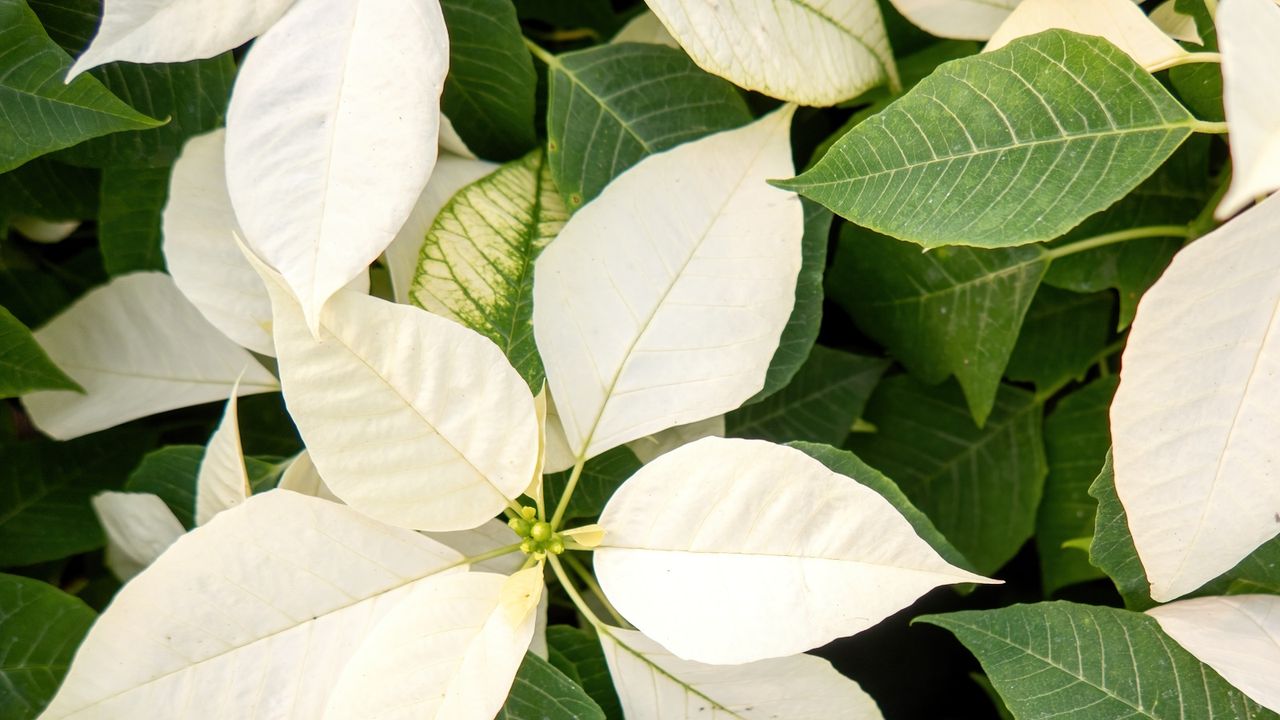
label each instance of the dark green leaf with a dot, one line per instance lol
(849, 465)
(1173, 196)
(1076, 439)
(476, 264)
(1199, 85)
(1080, 662)
(806, 315)
(600, 477)
(1114, 553)
(40, 629)
(1063, 334)
(980, 486)
(49, 190)
(610, 106)
(24, 365)
(541, 692)
(577, 654)
(596, 15)
(948, 311)
(129, 219)
(489, 93)
(170, 473)
(31, 295)
(191, 95)
(42, 113)
(45, 488)
(1003, 148)
(265, 426)
(819, 405)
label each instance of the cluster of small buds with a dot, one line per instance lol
(538, 538)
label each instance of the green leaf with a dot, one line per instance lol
(45, 489)
(610, 106)
(191, 95)
(1063, 334)
(541, 692)
(42, 114)
(170, 473)
(596, 15)
(24, 365)
(1173, 196)
(1113, 552)
(806, 315)
(129, 219)
(41, 627)
(600, 477)
(489, 92)
(476, 264)
(850, 465)
(577, 654)
(980, 486)
(1076, 440)
(49, 190)
(1199, 85)
(1067, 661)
(949, 311)
(1003, 148)
(819, 405)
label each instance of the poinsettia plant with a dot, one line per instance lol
(511, 309)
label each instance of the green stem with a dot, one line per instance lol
(1119, 236)
(541, 53)
(497, 552)
(1205, 222)
(572, 592)
(1188, 59)
(568, 492)
(581, 571)
(1209, 128)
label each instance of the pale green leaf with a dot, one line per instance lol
(1003, 148)
(476, 265)
(980, 486)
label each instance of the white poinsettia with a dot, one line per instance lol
(420, 431)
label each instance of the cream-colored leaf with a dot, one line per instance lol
(730, 551)
(198, 226)
(1247, 32)
(328, 146)
(485, 538)
(812, 52)
(252, 616)
(1238, 636)
(540, 402)
(450, 651)
(452, 173)
(163, 31)
(662, 301)
(222, 481)
(1119, 21)
(661, 443)
(1195, 420)
(588, 536)
(645, 28)
(653, 684)
(557, 455)
(431, 409)
(43, 231)
(139, 527)
(138, 348)
(958, 19)
(302, 477)
(1175, 24)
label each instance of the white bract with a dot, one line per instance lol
(1195, 420)
(152, 31)
(1120, 21)
(328, 149)
(137, 347)
(1247, 31)
(770, 45)
(663, 299)
(1237, 635)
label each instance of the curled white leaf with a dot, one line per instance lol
(139, 528)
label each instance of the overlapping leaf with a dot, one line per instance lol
(24, 365)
